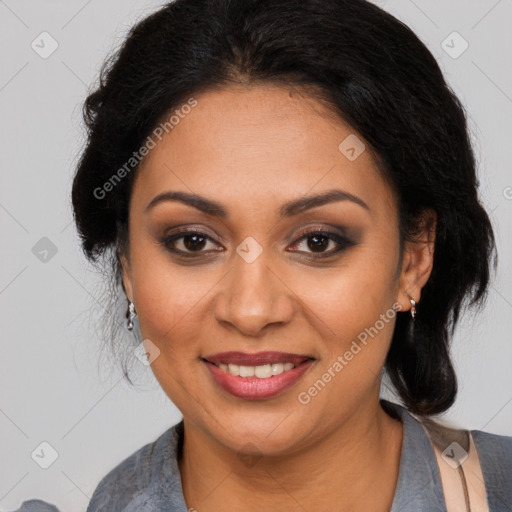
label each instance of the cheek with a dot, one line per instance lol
(357, 308)
(354, 295)
(169, 303)
(170, 309)
(360, 330)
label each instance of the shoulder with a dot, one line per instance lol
(419, 472)
(136, 484)
(495, 454)
(494, 447)
(37, 506)
(131, 483)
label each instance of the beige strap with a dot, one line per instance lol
(453, 489)
(475, 480)
(461, 473)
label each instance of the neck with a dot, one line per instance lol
(357, 462)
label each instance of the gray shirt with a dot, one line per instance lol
(149, 480)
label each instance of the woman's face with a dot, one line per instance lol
(250, 281)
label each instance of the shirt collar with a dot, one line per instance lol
(418, 486)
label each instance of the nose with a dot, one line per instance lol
(253, 297)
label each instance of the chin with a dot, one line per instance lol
(259, 434)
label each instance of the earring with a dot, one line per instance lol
(413, 306)
(131, 314)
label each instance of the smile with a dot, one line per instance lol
(257, 382)
(263, 371)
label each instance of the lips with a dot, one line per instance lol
(257, 359)
(257, 387)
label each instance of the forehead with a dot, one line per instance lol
(260, 143)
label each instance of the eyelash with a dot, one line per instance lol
(342, 242)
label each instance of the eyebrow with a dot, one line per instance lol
(289, 209)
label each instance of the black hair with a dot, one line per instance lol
(375, 73)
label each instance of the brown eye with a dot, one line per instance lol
(194, 242)
(318, 241)
(187, 242)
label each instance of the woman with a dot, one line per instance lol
(288, 195)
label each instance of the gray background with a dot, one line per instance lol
(55, 384)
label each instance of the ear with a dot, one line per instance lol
(418, 260)
(126, 274)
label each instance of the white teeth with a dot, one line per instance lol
(234, 369)
(247, 371)
(263, 371)
(277, 368)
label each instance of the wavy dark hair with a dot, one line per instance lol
(376, 74)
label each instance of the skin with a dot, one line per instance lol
(253, 148)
